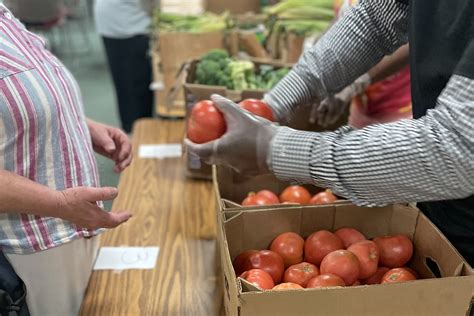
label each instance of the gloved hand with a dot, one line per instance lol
(245, 147)
(330, 109)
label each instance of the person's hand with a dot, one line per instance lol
(244, 147)
(79, 206)
(330, 109)
(112, 143)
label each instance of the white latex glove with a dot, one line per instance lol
(330, 109)
(245, 146)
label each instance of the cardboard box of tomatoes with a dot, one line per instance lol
(236, 191)
(423, 274)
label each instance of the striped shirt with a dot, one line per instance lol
(43, 134)
(427, 159)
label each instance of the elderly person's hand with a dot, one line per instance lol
(245, 147)
(112, 143)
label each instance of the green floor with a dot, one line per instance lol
(89, 66)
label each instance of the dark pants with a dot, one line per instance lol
(131, 71)
(12, 291)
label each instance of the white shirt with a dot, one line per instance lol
(121, 18)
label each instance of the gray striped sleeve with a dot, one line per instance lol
(353, 45)
(428, 159)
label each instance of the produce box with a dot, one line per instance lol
(446, 287)
(231, 188)
(168, 58)
(232, 6)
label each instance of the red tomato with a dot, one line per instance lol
(319, 244)
(287, 286)
(368, 254)
(395, 251)
(269, 195)
(257, 107)
(342, 263)
(349, 236)
(241, 260)
(205, 123)
(266, 260)
(417, 276)
(254, 199)
(377, 277)
(325, 197)
(290, 247)
(325, 280)
(259, 278)
(301, 273)
(356, 283)
(295, 194)
(398, 275)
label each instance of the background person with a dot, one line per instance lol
(125, 26)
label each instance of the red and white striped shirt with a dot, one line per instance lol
(43, 134)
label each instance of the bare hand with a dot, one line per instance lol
(112, 143)
(78, 205)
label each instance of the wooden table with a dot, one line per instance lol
(169, 211)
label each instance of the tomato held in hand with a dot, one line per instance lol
(257, 107)
(325, 280)
(259, 278)
(395, 251)
(368, 254)
(240, 261)
(266, 260)
(206, 123)
(319, 244)
(295, 194)
(301, 273)
(398, 275)
(349, 236)
(342, 263)
(376, 278)
(254, 199)
(287, 286)
(325, 197)
(290, 247)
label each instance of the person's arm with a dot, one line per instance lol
(111, 142)
(358, 41)
(332, 107)
(78, 205)
(431, 158)
(390, 65)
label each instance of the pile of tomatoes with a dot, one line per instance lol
(294, 194)
(326, 259)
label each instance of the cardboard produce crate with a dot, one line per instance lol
(175, 49)
(232, 188)
(194, 93)
(448, 294)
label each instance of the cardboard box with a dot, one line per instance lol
(449, 294)
(232, 188)
(232, 6)
(172, 51)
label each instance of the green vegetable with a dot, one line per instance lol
(207, 22)
(217, 69)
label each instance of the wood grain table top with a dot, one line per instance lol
(174, 213)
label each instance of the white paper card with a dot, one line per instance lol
(160, 151)
(126, 258)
